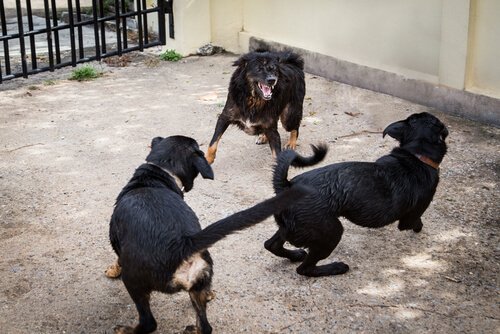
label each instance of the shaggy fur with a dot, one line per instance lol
(158, 238)
(265, 87)
(398, 186)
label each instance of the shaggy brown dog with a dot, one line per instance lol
(265, 87)
(158, 238)
(398, 186)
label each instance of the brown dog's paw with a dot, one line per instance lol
(123, 330)
(191, 329)
(210, 155)
(261, 139)
(113, 270)
(292, 142)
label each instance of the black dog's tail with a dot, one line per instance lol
(246, 218)
(290, 157)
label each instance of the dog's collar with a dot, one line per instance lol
(428, 161)
(178, 181)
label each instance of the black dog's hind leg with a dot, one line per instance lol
(199, 299)
(320, 250)
(275, 246)
(410, 223)
(220, 128)
(147, 322)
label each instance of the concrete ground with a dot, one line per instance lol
(68, 147)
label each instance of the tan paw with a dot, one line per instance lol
(191, 329)
(261, 139)
(123, 330)
(113, 270)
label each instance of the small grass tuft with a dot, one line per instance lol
(84, 73)
(170, 55)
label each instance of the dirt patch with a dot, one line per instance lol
(68, 147)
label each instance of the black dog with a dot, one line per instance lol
(157, 237)
(265, 87)
(398, 186)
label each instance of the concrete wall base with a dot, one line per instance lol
(450, 100)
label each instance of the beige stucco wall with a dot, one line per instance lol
(453, 43)
(484, 63)
(394, 35)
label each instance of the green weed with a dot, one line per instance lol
(84, 73)
(170, 55)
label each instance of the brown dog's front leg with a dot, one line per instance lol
(274, 141)
(220, 128)
(292, 142)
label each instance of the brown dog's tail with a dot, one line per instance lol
(291, 158)
(246, 218)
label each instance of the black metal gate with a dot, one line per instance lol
(49, 37)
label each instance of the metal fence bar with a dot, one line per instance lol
(56, 32)
(124, 11)
(31, 27)
(80, 29)
(5, 41)
(96, 30)
(22, 48)
(144, 22)
(72, 32)
(140, 32)
(48, 27)
(118, 27)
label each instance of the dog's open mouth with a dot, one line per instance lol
(267, 91)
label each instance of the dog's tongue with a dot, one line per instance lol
(266, 90)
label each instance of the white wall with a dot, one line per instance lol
(401, 36)
(453, 43)
(484, 64)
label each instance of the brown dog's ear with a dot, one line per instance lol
(203, 167)
(395, 130)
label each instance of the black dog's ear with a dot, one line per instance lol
(443, 133)
(155, 141)
(395, 130)
(203, 167)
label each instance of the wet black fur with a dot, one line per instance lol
(398, 186)
(245, 103)
(152, 229)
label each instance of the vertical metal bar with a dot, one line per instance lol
(6, 41)
(145, 34)
(118, 28)
(80, 30)
(103, 26)
(29, 12)
(161, 22)
(22, 48)
(48, 26)
(56, 32)
(139, 25)
(96, 31)
(170, 20)
(72, 33)
(124, 24)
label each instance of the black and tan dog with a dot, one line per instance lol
(265, 87)
(157, 237)
(398, 186)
